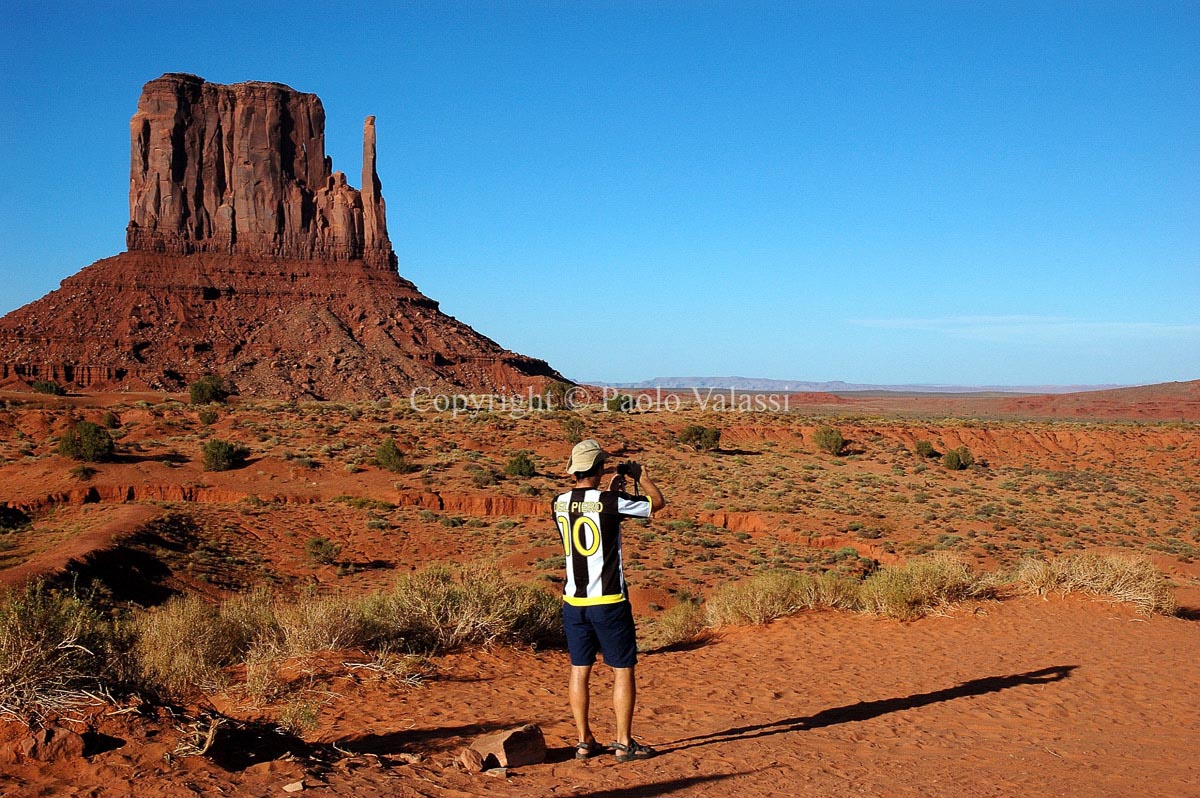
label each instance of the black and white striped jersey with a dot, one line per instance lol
(589, 523)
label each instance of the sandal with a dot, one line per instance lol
(586, 749)
(634, 750)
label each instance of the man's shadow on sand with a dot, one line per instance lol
(865, 710)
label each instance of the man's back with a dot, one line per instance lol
(589, 524)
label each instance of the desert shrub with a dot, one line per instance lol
(700, 438)
(958, 459)
(262, 681)
(925, 449)
(209, 389)
(484, 477)
(389, 456)
(221, 455)
(435, 610)
(757, 600)
(53, 645)
(573, 430)
(88, 442)
(313, 623)
(831, 590)
(775, 594)
(557, 396)
(1120, 577)
(299, 717)
(83, 472)
(686, 622)
(48, 387)
(829, 440)
(321, 550)
(251, 617)
(520, 465)
(919, 586)
(182, 646)
(209, 416)
(621, 403)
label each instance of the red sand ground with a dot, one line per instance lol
(1026, 697)
(822, 704)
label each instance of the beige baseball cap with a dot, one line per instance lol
(585, 455)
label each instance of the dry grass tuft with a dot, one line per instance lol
(314, 623)
(409, 670)
(185, 644)
(1119, 577)
(757, 600)
(775, 594)
(919, 586)
(433, 611)
(686, 622)
(53, 647)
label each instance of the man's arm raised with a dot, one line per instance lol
(657, 500)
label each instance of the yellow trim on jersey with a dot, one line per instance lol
(589, 601)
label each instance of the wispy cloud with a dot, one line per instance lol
(1010, 328)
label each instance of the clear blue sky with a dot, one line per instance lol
(986, 193)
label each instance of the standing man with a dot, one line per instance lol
(596, 611)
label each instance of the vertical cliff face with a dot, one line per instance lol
(241, 169)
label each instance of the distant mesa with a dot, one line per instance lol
(250, 257)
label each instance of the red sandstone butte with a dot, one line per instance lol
(249, 257)
(242, 170)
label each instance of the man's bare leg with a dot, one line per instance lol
(624, 697)
(580, 700)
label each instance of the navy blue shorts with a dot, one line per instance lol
(604, 627)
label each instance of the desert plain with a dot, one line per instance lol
(1009, 691)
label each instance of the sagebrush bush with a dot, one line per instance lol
(389, 456)
(221, 455)
(573, 430)
(520, 465)
(314, 623)
(1120, 577)
(829, 440)
(831, 590)
(621, 403)
(322, 550)
(920, 585)
(53, 645)
(88, 442)
(757, 600)
(209, 389)
(775, 594)
(48, 387)
(925, 449)
(958, 459)
(700, 438)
